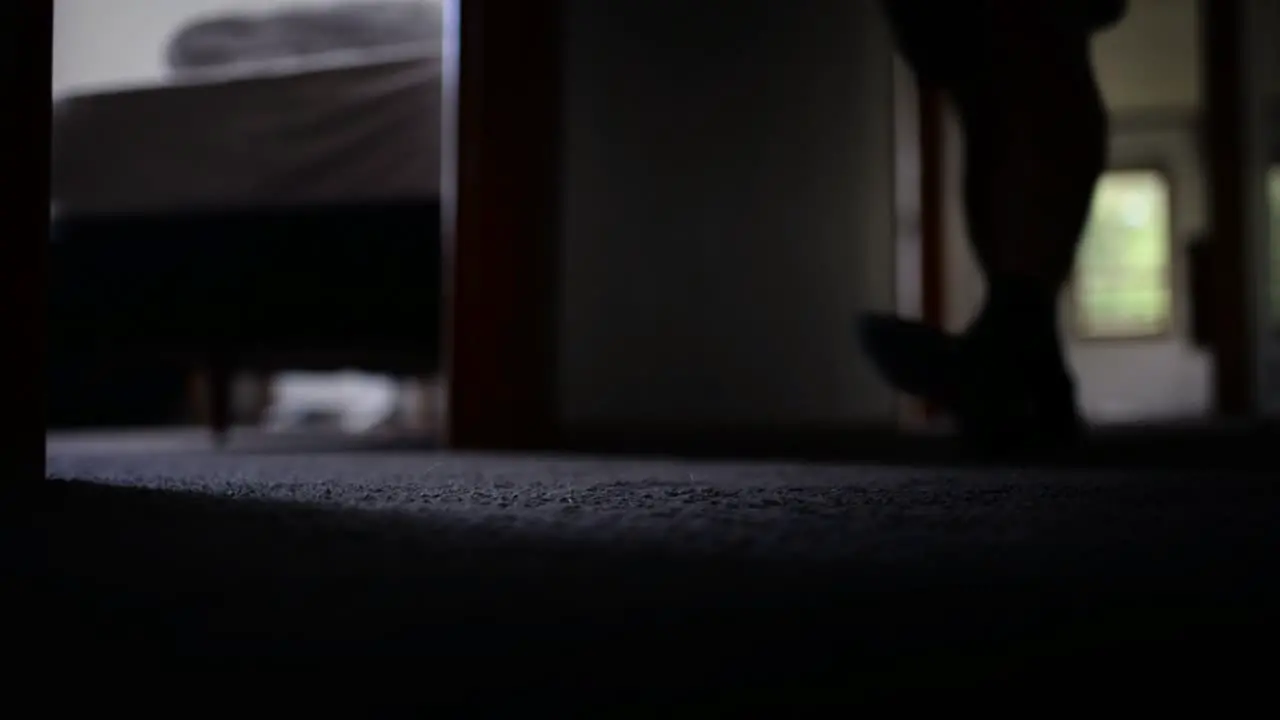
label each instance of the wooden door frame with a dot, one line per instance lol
(502, 235)
(1226, 154)
(26, 52)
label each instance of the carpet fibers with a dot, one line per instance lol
(647, 578)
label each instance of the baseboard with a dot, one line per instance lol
(1210, 445)
(843, 442)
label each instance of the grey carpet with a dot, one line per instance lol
(557, 572)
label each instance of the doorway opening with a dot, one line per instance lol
(246, 217)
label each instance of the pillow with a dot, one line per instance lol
(302, 31)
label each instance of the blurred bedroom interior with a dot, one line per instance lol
(272, 170)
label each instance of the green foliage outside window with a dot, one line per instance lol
(1122, 280)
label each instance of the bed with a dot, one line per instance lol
(253, 211)
(344, 128)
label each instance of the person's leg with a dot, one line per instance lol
(1036, 134)
(1020, 77)
(1035, 131)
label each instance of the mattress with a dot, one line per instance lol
(331, 130)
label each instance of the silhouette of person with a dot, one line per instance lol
(1020, 77)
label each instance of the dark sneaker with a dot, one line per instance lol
(913, 357)
(997, 402)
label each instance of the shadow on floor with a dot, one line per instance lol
(1220, 446)
(1225, 446)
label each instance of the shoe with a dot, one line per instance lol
(998, 401)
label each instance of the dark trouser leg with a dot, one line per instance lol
(1035, 132)
(1020, 76)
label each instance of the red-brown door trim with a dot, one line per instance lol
(501, 265)
(1225, 149)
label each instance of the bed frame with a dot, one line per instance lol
(317, 287)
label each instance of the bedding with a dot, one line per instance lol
(345, 127)
(303, 30)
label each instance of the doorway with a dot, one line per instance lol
(1143, 291)
(1262, 190)
(245, 209)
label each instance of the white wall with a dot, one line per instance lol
(1150, 61)
(100, 43)
(729, 209)
(105, 43)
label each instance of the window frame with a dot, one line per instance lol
(1079, 332)
(1272, 248)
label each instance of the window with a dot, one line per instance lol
(1122, 284)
